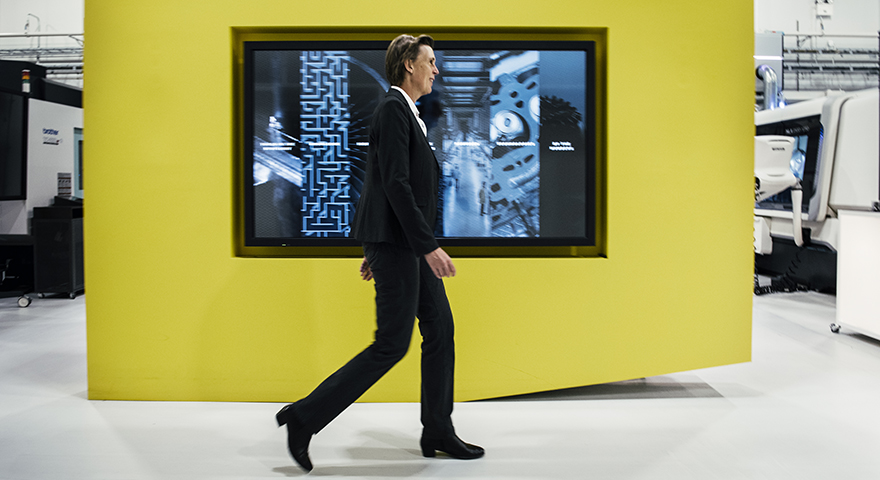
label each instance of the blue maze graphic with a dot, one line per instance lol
(324, 123)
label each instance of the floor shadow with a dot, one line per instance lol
(862, 337)
(630, 389)
(397, 459)
(384, 453)
(393, 439)
(390, 470)
(290, 471)
(400, 447)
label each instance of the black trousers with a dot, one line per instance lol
(406, 288)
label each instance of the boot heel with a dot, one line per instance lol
(429, 452)
(283, 416)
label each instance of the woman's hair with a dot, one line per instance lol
(403, 48)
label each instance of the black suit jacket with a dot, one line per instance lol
(398, 203)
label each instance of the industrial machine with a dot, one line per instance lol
(833, 165)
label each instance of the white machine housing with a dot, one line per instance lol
(773, 175)
(773, 165)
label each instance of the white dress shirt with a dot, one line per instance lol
(412, 106)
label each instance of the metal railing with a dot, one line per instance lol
(60, 53)
(810, 66)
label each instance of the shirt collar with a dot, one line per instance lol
(412, 105)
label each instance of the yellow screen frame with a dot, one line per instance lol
(597, 35)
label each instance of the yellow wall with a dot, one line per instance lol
(174, 315)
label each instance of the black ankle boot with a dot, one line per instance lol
(297, 437)
(452, 446)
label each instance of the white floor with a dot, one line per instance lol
(807, 407)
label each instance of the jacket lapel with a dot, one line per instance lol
(415, 124)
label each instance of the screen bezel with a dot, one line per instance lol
(592, 245)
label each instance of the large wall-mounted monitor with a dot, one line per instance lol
(512, 123)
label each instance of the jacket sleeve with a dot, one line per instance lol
(395, 170)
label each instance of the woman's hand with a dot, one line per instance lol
(366, 273)
(440, 263)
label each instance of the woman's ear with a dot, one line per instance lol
(408, 65)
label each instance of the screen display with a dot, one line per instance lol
(511, 125)
(807, 133)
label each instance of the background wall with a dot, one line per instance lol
(849, 16)
(172, 314)
(55, 16)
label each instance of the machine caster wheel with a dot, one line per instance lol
(72, 296)
(24, 301)
(41, 295)
(835, 328)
